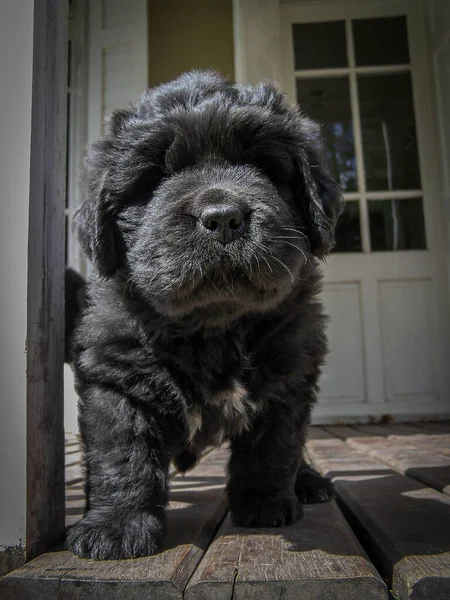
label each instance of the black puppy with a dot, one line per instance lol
(207, 210)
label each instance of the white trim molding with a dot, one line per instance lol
(257, 44)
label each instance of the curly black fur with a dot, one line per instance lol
(196, 333)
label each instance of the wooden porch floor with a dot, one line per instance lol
(388, 532)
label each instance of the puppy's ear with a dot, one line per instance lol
(94, 223)
(320, 198)
(95, 219)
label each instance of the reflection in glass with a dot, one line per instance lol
(319, 45)
(327, 100)
(348, 233)
(381, 41)
(396, 224)
(388, 132)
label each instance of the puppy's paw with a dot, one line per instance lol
(311, 487)
(108, 535)
(253, 509)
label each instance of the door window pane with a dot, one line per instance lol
(319, 45)
(348, 235)
(396, 224)
(327, 100)
(381, 41)
(388, 132)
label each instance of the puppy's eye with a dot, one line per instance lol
(143, 190)
(272, 169)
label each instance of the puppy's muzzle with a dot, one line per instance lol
(224, 222)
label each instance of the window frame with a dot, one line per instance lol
(421, 97)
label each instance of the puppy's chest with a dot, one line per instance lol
(219, 403)
(220, 414)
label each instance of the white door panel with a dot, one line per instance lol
(407, 336)
(118, 58)
(345, 336)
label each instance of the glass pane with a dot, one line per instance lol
(348, 234)
(319, 45)
(380, 41)
(327, 100)
(397, 224)
(388, 132)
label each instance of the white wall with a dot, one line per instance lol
(16, 54)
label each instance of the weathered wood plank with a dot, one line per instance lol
(73, 458)
(318, 433)
(45, 293)
(435, 427)
(72, 449)
(337, 458)
(73, 474)
(437, 444)
(404, 525)
(75, 504)
(343, 431)
(69, 442)
(427, 467)
(197, 507)
(403, 428)
(316, 559)
(374, 430)
(38, 579)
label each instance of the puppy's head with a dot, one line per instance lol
(208, 196)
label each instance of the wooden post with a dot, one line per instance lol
(45, 326)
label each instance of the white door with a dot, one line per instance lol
(361, 70)
(108, 54)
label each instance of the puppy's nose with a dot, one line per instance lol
(223, 221)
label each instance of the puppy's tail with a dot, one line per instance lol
(74, 297)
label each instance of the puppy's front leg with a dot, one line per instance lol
(126, 478)
(262, 472)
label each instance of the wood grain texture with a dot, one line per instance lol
(403, 428)
(45, 298)
(11, 557)
(318, 433)
(437, 444)
(318, 558)
(374, 430)
(435, 427)
(73, 474)
(429, 468)
(197, 507)
(343, 431)
(404, 524)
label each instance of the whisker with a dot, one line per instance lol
(299, 249)
(261, 246)
(267, 263)
(285, 266)
(292, 228)
(299, 232)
